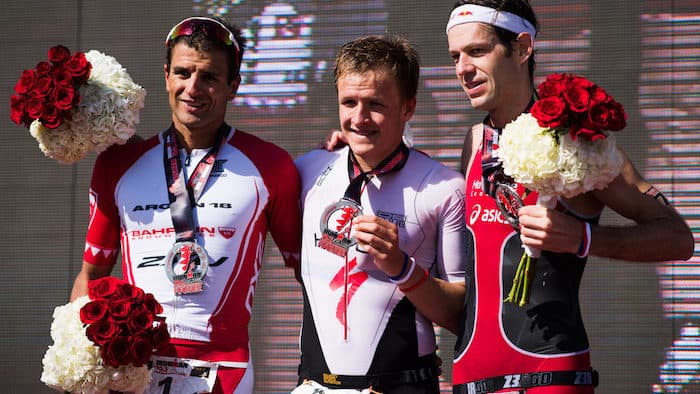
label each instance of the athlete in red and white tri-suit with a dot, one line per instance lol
(247, 195)
(363, 325)
(502, 339)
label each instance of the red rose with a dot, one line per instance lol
(139, 319)
(585, 134)
(17, 113)
(101, 331)
(43, 86)
(52, 117)
(152, 304)
(63, 97)
(577, 98)
(93, 311)
(140, 349)
(550, 112)
(160, 335)
(34, 107)
(103, 288)
(43, 68)
(126, 290)
(595, 119)
(598, 96)
(119, 308)
(62, 77)
(617, 118)
(79, 66)
(554, 85)
(26, 82)
(581, 82)
(557, 78)
(59, 54)
(116, 352)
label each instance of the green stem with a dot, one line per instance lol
(522, 281)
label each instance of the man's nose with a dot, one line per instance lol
(464, 66)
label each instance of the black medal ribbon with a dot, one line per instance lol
(394, 162)
(491, 166)
(182, 194)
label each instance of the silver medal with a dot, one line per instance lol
(186, 265)
(336, 223)
(509, 202)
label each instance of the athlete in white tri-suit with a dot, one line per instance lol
(190, 209)
(383, 232)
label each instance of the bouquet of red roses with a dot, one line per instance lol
(77, 103)
(104, 340)
(49, 92)
(572, 103)
(123, 321)
(561, 148)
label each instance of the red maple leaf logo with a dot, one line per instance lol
(343, 228)
(185, 261)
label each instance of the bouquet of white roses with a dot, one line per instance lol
(75, 104)
(103, 341)
(561, 148)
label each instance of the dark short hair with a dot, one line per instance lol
(394, 54)
(521, 8)
(201, 42)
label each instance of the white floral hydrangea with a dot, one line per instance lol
(73, 362)
(108, 112)
(533, 157)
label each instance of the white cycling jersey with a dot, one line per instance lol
(361, 325)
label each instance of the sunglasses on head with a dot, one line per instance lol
(211, 27)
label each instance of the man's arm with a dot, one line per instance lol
(438, 300)
(87, 273)
(658, 234)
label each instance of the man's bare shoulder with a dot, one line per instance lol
(472, 142)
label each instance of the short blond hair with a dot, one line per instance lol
(393, 54)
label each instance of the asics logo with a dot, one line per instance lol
(492, 215)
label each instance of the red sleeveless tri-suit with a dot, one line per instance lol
(500, 338)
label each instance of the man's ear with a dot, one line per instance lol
(524, 46)
(235, 83)
(409, 109)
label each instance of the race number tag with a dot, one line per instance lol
(170, 375)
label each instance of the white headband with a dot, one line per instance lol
(468, 13)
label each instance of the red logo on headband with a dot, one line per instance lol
(465, 13)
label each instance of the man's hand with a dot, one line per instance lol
(551, 230)
(87, 273)
(335, 140)
(380, 239)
